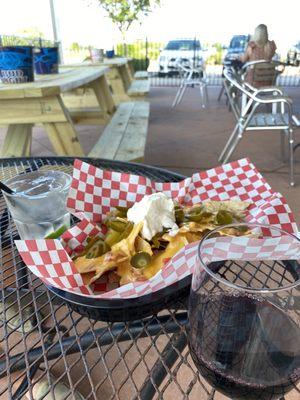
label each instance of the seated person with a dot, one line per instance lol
(259, 48)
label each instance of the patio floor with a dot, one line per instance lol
(190, 139)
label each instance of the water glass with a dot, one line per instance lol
(38, 206)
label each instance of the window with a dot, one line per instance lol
(239, 41)
(183, 45)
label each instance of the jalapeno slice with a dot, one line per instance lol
(224, 217)
(126, 231)
(179, 215)
(121, 211)
(116, 224)
(140, 260)
(112, 237)
(155, 242)
(194, 217)
(96, 248)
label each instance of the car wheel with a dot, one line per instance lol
(161, 74)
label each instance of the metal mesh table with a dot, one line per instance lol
(43, 340)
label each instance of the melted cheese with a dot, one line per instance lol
(158, 261)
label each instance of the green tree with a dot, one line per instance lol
(75, 46)
(31, 32)
(124, 12)
(31, 35)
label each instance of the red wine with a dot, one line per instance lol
(246, 348)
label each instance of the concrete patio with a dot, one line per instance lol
(189, 139)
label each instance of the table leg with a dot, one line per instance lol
(64, 139)
(55, 139)
(63, 135)
(115, 81)
(103, 95)
(125, 76)
(131, 69)
(17, 141)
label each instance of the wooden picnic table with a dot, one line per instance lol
(42, 102)
(120, 77)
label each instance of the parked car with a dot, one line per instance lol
(293, 55)
(188, 50)
(236, 48)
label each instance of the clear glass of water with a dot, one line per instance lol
(38, 205)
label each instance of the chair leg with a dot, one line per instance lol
(202, 95)
(233, 147)
(175, 101)
(291, 145)
(228, 144)
(282, 144)
(181, 94)
(206, 94)
(221, 92)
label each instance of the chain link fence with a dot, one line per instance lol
(10, 40)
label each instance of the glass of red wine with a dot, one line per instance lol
(244, 311)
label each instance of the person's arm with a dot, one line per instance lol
(246, 56)
(274, 48)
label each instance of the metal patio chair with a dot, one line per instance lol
(265, 73)
(251, 118)
(191, 77)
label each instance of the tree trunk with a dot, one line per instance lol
(124, 44)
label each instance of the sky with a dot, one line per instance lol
(84, 22)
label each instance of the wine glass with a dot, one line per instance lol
(244, 314)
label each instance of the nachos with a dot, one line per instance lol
(141, 239)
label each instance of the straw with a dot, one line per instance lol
(6, 189)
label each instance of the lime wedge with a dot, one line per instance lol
(56, 234)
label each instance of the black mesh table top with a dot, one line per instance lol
(47, 350)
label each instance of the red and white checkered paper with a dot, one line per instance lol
(94, 192)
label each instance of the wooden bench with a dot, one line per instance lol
(141, 75)
(139, 88)
(124, 138)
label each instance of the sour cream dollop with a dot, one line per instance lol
(156, 211)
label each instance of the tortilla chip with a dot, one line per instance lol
(235, 207)
(129, 274)
(99, 265)
(126, 246)
(119, 252)
(142, 245)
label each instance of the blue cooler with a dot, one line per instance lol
(16, 64)
(46, 60)
(110, 53)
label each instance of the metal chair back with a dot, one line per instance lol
(250, 118)
(264, 72)
(190, 77)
